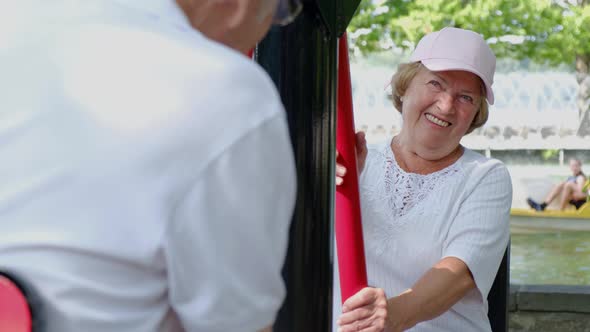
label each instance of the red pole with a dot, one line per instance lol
(349, 232)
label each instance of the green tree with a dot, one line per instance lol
(549, 32)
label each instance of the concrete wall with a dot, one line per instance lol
(549, 308)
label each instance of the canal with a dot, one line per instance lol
(557, 258)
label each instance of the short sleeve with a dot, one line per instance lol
(227, 241)
(479, 234)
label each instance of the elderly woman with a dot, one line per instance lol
(435, 214)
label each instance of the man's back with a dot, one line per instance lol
(139, 161)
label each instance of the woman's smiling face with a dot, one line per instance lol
(438, 108)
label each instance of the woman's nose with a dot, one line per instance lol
(445, 102)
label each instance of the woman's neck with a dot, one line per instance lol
(422, 162)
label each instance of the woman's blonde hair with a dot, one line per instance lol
(405, 74)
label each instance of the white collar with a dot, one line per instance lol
(167, 10)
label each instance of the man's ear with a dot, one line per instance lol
(214, 15)
(236, 11)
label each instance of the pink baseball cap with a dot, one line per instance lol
(458, 49)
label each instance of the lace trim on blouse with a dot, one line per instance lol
(397, 192)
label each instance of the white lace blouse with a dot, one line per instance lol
(412, 221)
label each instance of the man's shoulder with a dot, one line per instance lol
(140, 75)
(111, 54)
(103, 31)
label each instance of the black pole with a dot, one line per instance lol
(498, 295)
(301, 59)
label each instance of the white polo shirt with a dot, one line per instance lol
(147, 174)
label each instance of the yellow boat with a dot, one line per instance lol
(530, 220)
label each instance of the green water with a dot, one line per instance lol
(561, 258)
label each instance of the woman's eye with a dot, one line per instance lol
(435, 84)
(467, 99)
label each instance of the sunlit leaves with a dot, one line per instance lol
(546, 31)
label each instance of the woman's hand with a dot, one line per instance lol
(361, 156)
(364, 311)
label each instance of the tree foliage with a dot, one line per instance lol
(545, 31)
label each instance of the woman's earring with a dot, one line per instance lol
(401, 99)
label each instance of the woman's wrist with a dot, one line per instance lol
(398, 317)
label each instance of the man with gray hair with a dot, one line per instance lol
(147, 175)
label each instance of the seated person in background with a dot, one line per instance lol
(571, 190)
